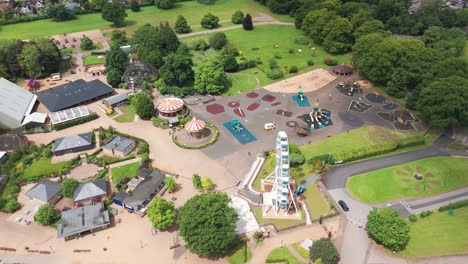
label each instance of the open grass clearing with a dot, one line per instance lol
(191, 10)
(128, 114)
(440, 174)
(301, 251)
(94, 59)
(128, 170)
(240, 84)
(280, 255)
(439, 234)
(238, 256)
(317, 203)
(43, 167)
(280, 224)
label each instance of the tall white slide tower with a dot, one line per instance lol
(282, 197)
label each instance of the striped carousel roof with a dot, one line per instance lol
(194, 125)
(170, 105)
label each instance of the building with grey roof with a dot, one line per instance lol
(74, 93)
(90, 192)
(71, 144)
(84, 219)
(9, 142)
(46, 190)
(115, 99)
(150, 184)
(119, 146)
(15, 104)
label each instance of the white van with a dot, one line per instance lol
(55, 76)
(269, 126)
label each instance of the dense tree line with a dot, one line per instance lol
(20, 59)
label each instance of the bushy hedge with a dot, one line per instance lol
(75, 122)
(176, 91)
(98, 53)
(425, 214)
(413, 218)
(248, 64)
(454, 205)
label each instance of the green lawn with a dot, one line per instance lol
(440, 174)
(42, 167)
(439, 234)
(240, 84)
(192, 11)
(238, 256)
(318, 205)
(128, 114)
(261, 43)
(301, 251)
(280, 255)
(129, 170)
(280, 224)
(94, 59)
(354, 139)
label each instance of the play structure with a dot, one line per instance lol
(349, 88)
(301, 99)
(239, 131)
(319, 117)
(236, 125)
(282, 197)
(401, 119)
(300, 94)
(359, 106)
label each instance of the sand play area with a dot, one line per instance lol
(308, 82)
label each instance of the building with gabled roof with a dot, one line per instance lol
(15, 104)
(71, 144)
(90, 192)
(46, 191)
(119, 146)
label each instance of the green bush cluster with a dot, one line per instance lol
(75, 122)
(425, 214)
(454, 205)
(301, 41)
(176, 91)
(413, 218)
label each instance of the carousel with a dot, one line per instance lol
(170, 107)
(195, 128)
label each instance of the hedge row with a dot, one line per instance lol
(75, 122)
(454, 205)
(370, 151)
(98, 53)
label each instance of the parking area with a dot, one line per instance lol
(73, 40)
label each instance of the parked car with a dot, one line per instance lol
(74, 39)
(65, 40)
(73, 46)
(343, 205)
(269, 126)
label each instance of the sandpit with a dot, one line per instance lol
(308, 82)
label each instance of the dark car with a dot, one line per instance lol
(343, 205)
(73, 46)
(74, 39)
(65, 40)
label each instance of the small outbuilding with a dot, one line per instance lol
(169, 107)
(119, 146)
(115, 99)
(46, 191)
(342, 70)
(71, 144)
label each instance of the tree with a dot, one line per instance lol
(315, 23)
(47, 214)
(387, 9)
(114, 77)
(296, 159)
(371, 26)
(210, 78)
(164, 4)
(115, 13)
(388, 228)
(11, 206)
(210, 21)
(134, 6)
(119, 37)
(59, 13)
(168, 40)
(338, 38)
(324, 250)
(161, 213)
(98, 4)
(207, 224)
(68, 186)
(116, 59)
(218, 41)
(283, 6)
(181, 25)
(247, 24)
(207, 183)
(196, 181)
(443, 102)
(30, 60)
(237, 17)
(177, 69)
(450, 42)
(49, 55)
(170, 184)
(86, 44)
(144, 106)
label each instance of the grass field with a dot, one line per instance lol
(240, 84)
(317, 204)
(42, 167)
(280, 224)
(128, 114)
(440, 174)
(93, 59)
(192, 11)
(301, 251)
(238, 256)
(261, 43)
(129, 170)
(280, 255)
(439, 234)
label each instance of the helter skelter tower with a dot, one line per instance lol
(282, 197)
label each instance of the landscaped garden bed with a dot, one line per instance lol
(280, 224)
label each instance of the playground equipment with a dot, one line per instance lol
(299, 191)
(300, 94)
(282, 197)
(236, 125)
(318, 117)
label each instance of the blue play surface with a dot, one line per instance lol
(303, 103)
(244, 136)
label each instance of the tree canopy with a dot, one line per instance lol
(210, 21)
(59, 13)
(116, 59)
(388, 228)
(46, 214)
(161, 213)
(182, 26)
(144, 106)
(177, 69)
(218, 40)
(210, 78)
(68, 186)
(165, 4)
(170, 184)
(247, 24)
(115, 13)
(324, 250)
(237, 17)
(207, 224)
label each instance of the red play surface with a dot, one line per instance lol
(253, 106)
(292, 124)
(239, 112)
(252, 95)
(275, 104)
(214, 109)
(268, 98)
(234, 104)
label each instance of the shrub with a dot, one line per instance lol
(330, 61)
(247, 65)
(325, 250)
(275, 74)
(210, 21)
(237, 17)
(278, 56)
(218, 41)
(310, 62)
(200, 44)
(86, 44)
(302, 41)
(75, 122)
(123, 187)
(164, 4)
(291, 50)
(273, 64)
(11, 206)
(425, 214)
(68, 186)
(293, 69)
(413, 218)
(258, 236)
(454, 205)
(46, 215)
(388, 228)
(296, 159)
